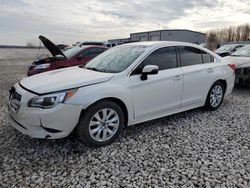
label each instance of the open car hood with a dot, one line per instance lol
(51, 46)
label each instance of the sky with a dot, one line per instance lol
(69, 21)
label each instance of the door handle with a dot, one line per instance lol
(210, 70)
(177, 77)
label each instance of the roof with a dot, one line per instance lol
(170, 30)
(159, 43)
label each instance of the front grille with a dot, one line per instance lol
(15, 99)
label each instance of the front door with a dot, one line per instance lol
(159, 93)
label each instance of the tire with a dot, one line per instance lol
(215, 99)
(93, 127)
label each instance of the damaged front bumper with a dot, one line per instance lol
(56, 122)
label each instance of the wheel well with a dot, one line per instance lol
(224, 83)
(117, 101)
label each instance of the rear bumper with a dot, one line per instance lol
(230, 85)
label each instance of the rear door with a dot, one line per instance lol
(159, 93)
(198, 71)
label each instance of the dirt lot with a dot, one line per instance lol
(191, 149)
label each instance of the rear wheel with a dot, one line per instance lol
(215, 96)
(101, 124)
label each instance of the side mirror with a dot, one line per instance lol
(59, 57)
(149, 70)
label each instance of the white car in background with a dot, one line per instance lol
(228, 49)
(241, 58)
(125, 85)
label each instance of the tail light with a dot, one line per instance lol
(232, 66)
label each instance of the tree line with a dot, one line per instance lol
(230, 34)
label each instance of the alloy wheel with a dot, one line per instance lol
(104, 124)
(216, 96)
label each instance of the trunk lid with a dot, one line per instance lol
(239, 61)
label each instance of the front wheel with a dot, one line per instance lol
(101, 124)
(215, 96)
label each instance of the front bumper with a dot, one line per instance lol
(57, 122)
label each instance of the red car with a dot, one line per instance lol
(78, 55)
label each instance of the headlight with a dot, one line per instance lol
(42, 66)
(49, 101)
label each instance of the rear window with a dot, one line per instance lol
(190, 56)
(206, 57)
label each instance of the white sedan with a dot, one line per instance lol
(125, 85)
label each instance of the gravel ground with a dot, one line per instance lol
(191, 149)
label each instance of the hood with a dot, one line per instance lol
(63, 79)
(53, 49)
(240, 62)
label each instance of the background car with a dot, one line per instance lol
(61, 46)
(241, 58)
(204, 45)
(228, 49)
(126, 85)
(78, 55)
(87, 43)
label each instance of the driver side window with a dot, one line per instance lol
(164, 58)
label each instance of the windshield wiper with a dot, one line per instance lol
(91, 68)
(94, 69)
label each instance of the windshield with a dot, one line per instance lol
(226, 48)
(116, 59)
(72, 51)
(245, 51)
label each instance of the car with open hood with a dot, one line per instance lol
(78, 55)
(241, 58)
(126, 85)
(228, 49)
(87, 43)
